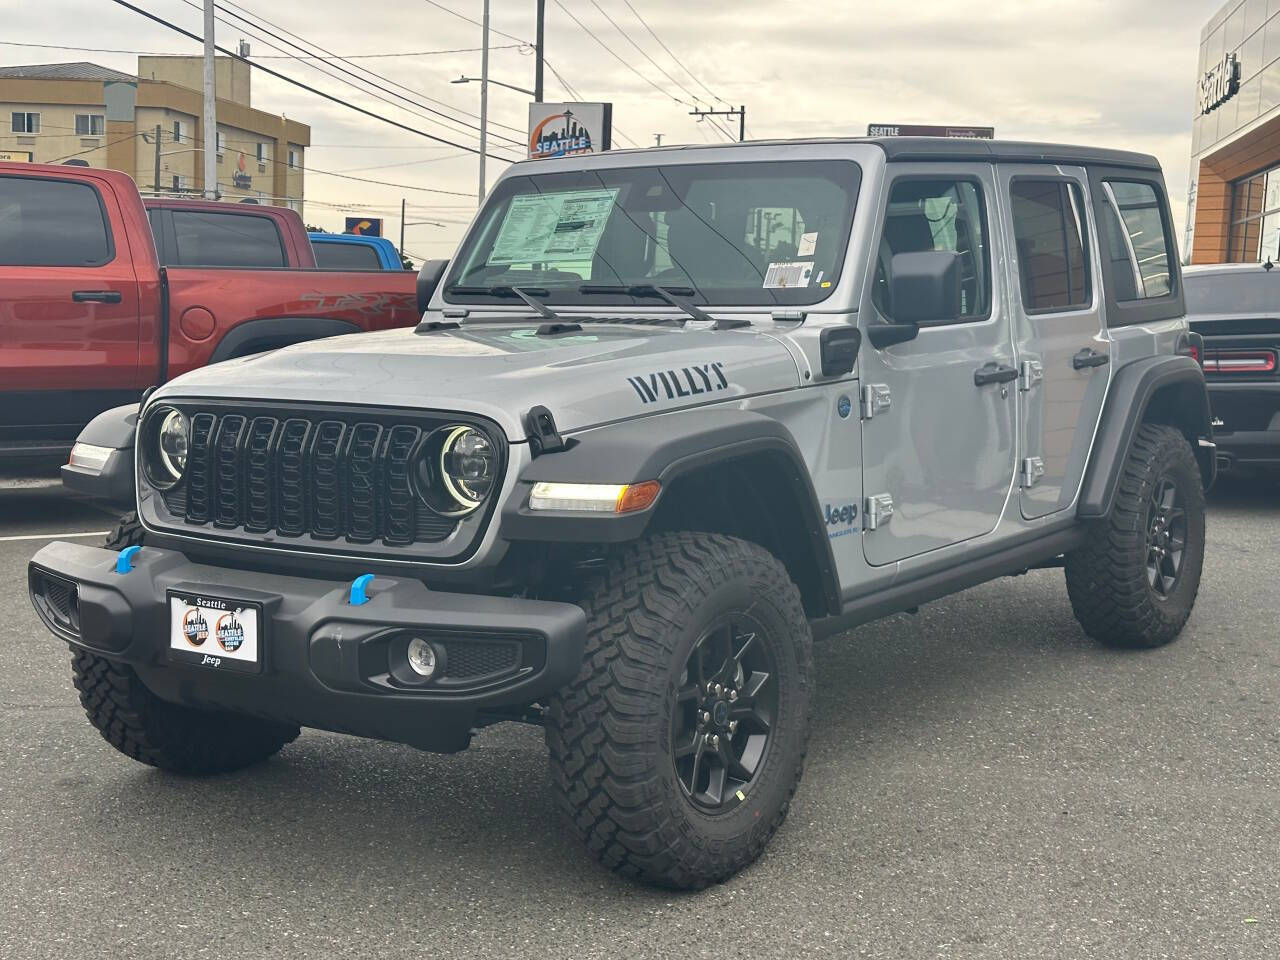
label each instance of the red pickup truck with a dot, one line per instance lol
(91, 315)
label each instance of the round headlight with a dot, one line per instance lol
(168, 447)
(468, 465)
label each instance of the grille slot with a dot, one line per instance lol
(329, 477)
(468, 661)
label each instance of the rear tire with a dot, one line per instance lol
(633, 758)
(166, 735)
(1135, 580)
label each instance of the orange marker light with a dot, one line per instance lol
(638, 496)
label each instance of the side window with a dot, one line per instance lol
(51, 223)
(346, 256)
(1049, 229)
(226, 240)
(927, 215)
(1140, 250)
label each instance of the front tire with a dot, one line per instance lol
(1135, 580)
(676, 750)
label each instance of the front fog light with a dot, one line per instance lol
(422, 657)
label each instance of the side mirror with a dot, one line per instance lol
(926, 287)
(429, 277)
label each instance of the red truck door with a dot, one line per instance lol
(69, 308)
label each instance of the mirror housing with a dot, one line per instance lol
(884, 335)
(429, 276)
(926, 287)
(839, 350)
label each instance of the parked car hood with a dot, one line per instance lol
(601, 373)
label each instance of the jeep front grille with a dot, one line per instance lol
(308, 477)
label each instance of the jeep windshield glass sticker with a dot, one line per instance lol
(553, 228)
(681, 382)
(791, 274)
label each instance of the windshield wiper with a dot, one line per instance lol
(673, 295)
(528, 294)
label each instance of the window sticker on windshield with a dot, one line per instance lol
(808, 243)
(788, 274)
(553, 227)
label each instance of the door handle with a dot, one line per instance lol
(96, 296)
(992, 372)
(1088, 357)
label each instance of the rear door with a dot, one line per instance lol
(1064, 352)
(940, 453)
(69, 308)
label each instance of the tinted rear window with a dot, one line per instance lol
(346, 256)
(52, 223)
(226, 240)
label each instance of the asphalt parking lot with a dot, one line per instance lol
(984, 782)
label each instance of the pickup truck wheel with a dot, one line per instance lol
(127, 533)
(166, 735)
(1134, 582)
(676, 750)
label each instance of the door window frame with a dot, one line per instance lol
(1086, 241)
(1123, 313)
(985, 209)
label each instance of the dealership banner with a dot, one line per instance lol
(569, 129)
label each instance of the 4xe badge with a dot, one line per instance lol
(685, 382)
(839, 519)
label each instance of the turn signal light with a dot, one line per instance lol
(594, 497)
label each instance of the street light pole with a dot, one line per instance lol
(484, 96)
(210, 121)
(541, 48)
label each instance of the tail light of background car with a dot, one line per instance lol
(1240, 361)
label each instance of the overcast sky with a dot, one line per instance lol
(1117, 73)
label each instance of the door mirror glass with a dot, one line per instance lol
(926, 287)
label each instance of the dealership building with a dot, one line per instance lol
(82, 113)
(1234, 209)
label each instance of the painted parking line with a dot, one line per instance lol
(54, 536)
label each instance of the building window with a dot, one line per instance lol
(1255, 218)
(262, 153)
(179, 183)
(90, 124)
(295, 159)
(221, 142)
(26, 123)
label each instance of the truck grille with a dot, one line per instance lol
(306, 476)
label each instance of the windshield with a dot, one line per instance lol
(723, 234)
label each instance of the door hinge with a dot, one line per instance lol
(875, 399)
(1030, 375)
(1032, 471)
(877, 511)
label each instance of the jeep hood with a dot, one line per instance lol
(603, 373)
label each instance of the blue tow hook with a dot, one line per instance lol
(124, 559)
(359, 589)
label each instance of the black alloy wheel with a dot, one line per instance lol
(1166, 537)
(724, 712)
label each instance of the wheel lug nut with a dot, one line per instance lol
(715, 741)
(719, 689)
(703, 717)
(733, 726)
(733, 694)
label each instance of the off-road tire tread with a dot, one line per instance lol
(1106, 577)
(166, 735)
(603, 784)
(127, 533)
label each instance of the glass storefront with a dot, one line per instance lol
(1255, 218)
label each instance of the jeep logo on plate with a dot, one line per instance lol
(685, 382)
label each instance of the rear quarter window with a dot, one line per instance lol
(346, 256)
(52, 223)
(226, 240)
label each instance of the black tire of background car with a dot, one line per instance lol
(127, 533)
(166, 735)
(609, 731)
(1107, 578)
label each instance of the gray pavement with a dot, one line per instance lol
(984, 782)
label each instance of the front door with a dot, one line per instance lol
(939, 457)
(1063, 348)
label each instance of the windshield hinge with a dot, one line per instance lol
(730, 323)
(788, 316)
(540, 427)
(457, 313)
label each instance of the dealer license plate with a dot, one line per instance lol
(215, 632)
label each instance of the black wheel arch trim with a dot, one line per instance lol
(272, 330)
(1183, 402)
(664, 448)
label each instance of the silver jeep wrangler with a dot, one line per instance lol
(669, 415)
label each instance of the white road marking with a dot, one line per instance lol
(54, 536)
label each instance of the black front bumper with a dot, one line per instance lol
(1246, 424)
(324, 660)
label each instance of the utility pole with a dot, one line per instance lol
(402, 226)
(484, 95)
(156, 185)
(740, 113)
(540, 49)
(657, 139)
(210, 109)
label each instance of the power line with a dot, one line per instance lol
(477, 23)
(298, 83)
(267, 56)
(613, 53)
(627, 37)
(678, 61)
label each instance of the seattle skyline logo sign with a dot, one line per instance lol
(560, 135)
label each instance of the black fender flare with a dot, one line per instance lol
(277, 331)
(1165, 389)
(665, 448)
(113, 484)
